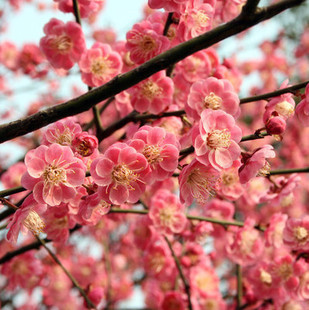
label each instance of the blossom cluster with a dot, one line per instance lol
(200, 172)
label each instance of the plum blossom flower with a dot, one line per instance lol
(62, 132)
(173, 300)
(282, 105)
(245, 246)
(99, 64)
(212, 94)
(302, 109)
(195, 19)
(296, 233)
(84, 144)
(230, 186)
(145, 41)
(198, 181)
(160, 148)
(255, 164)
(86, 7)
(27, 217)
(121, 172)
(167, 213)
(167, 5)
(53, 173)
(153, 95)
(63, 44)
(216, 139)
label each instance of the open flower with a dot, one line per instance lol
(216, 139)
(53, 173)
(27, 217)
(160, 148)
(99, 64)
(122, 173)
(63, 44)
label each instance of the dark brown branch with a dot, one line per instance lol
(276, 93)
(183, 278)
(250, 7)
(32, 246)
(122, 82)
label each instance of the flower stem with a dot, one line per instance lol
(183, 278)
(70, 276)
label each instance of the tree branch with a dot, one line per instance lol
(121, 82)
(90, 305)
(182, 276)
(276, 93)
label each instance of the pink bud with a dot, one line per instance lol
(275, 125)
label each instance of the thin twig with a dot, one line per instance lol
(183, 278)
(290, 89)
(70, 276)
(239, 286)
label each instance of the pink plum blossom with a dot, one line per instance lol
(246, 245)
(230, 186)
(86, 7)
(195, 19)
(296, 233)
(84, 144)
(167, 213)
(121, 172)
(99, 64)
(302, 109)
(62, 132)
(152, 95)
(53, 174)
(255, 164)
(283, 105)
(27, 217)
(160, 148)
(212, 94)
(198, 181)
(167, 5)
(145, 41)
(193, 68)
(216, 139)
(63, 44)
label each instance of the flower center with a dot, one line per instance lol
(301, 234)
(147, 43)
(265, 170)
(285, 271)
(284, 108)
(219, 139)
(54, 175)
(204, 281)
(212, 101)
(166, 216)
(62, 138)
(62, 43)
(266, 277)
(152, 154)
(229, 178)
(202, 186)
(99, 66)
(34, 223)
(157, 262)
(201, 19)
(151, 90)
(123, 175)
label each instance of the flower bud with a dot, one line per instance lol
(84, 144)
(275, 125)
